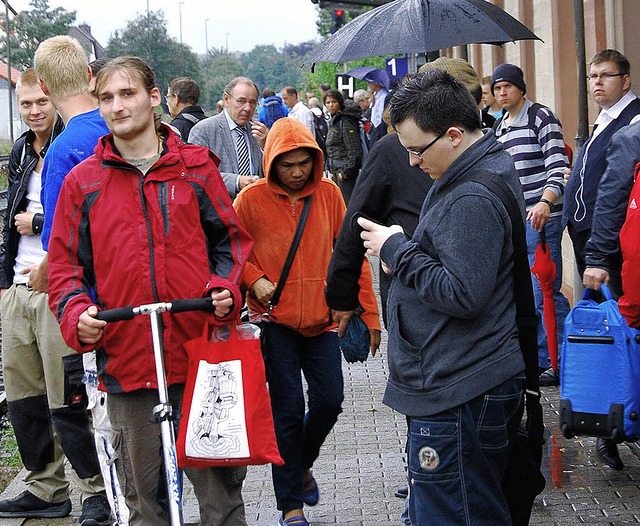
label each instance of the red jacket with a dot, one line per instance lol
(629, 303)
(127, 239)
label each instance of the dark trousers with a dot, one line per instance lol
(300, 434)
(457, 459)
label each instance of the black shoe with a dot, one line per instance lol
(608, 452)
(549, 378)
(95, 511)
(402, 491)
(29, 506)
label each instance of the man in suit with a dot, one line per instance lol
(234, 137)
(597, 192)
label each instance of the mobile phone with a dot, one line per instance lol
(354, 221)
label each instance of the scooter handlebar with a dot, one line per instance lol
(128, 313)
(192, 304)
(119, 314)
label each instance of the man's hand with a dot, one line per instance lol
(246, 180)
(263, 290)
(89, 329)
(3, 292)
(259, 132)
(24, 222)
(594, 277)
(539, 215)
(341, 317)
(222, 301)
(38, 278)
(374, 235)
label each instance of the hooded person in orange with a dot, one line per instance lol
(300, 335)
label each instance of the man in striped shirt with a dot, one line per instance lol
(533, 137)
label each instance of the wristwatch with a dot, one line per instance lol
(546, 202)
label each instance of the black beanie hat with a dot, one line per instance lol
(508, 73)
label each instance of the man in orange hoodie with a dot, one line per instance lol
(300, 335)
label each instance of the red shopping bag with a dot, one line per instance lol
(226, 410)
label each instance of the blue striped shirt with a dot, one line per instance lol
(538, 153)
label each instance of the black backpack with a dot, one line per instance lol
(322, 128)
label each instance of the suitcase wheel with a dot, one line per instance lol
(566, 430)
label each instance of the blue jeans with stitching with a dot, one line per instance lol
(457, 459)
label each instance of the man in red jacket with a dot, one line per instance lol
(145, 219)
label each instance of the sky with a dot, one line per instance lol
(241, 25)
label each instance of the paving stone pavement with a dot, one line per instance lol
(363, 460)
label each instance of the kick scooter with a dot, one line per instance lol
(163, 412)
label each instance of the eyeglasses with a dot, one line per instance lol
(167, 97)
(604, 76)
(421, 151)
(243, 102)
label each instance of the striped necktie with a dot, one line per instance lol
(244, 166)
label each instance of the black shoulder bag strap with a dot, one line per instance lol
(292, 252)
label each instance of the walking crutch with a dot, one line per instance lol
(163, 412)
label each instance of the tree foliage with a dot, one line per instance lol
(218, 68)
(147, 38)
(30, 28)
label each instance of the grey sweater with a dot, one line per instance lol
(451, 308)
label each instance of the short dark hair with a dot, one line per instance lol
(268, 92)
(325, 86)
(290, 90)
(186, 89)
(611, 55)
(97, 64)
(336, 95)
(435, 101)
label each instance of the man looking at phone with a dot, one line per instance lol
(234, 137)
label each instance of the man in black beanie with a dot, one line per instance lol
(532, 134)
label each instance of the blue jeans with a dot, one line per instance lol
(457, 459)
(553, 230)
(300, 435)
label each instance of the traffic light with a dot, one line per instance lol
(338, 18)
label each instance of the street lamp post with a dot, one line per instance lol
(226, 44)
(180, 16)
(206, 37)
(10, 90)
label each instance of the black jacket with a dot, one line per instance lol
(22, 161)
(343, 143)
(187, 119)
(388, 190)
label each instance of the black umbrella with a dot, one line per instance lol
(420, 26)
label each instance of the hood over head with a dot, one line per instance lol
(286, 135)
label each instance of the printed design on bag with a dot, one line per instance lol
(429, 458)
(216, 427)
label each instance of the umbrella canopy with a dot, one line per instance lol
(544, 269)
(370, 74)
(420, 26)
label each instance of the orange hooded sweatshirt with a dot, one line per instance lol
(265, 210)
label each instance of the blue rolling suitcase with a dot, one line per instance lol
(600, 372)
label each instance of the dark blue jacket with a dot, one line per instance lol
(613, 197)
(582, 188)
(451, 305)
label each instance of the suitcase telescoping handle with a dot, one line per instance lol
(127, 313)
